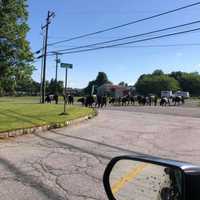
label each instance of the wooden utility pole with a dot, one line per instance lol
(46, 27)
(42, 65)
(56, 77)
(57, 62)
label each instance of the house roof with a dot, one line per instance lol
(111, 86)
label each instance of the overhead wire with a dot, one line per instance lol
(126, 24)
(132, 36)
(131, 42)
(160, 45)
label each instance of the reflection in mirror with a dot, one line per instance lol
(134, 180)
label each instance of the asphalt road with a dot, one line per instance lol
(68, 163)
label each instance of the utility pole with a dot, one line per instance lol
(56, 77)
(57, 62)
(42, 65)
(46, 27)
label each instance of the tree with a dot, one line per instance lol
(122, 83)
(54, 87)
(189, 82)
(152, 83)
(15, 54)
(177, 75)
(100, 80)
(28, 87)
(158, 72)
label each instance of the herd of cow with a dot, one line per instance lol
(101, 101)
(54, 97)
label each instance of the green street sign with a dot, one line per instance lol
(66, 65)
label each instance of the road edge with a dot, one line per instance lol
(32, 130)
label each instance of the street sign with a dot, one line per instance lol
(66, 65)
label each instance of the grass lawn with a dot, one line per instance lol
(23, 112)
(29, 99)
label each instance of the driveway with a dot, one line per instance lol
(68, 163)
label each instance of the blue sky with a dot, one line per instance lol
(76, 17)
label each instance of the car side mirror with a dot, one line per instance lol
(150, 178)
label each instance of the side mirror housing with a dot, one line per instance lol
(151, 178)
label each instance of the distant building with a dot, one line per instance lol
(74, 91)
(114, 90)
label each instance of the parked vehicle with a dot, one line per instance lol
(182, 94)
(167, 94)
(150, 178)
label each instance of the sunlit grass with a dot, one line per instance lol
(17, 113)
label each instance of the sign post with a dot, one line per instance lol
(66, 66)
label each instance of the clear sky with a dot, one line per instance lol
(75, 17)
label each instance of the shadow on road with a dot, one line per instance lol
(70, 146)
(30, 180)
(84, 150)
(98, 143)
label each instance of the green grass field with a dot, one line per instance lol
(25, 112)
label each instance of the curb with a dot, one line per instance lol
(25, 131)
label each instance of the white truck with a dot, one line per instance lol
(167, 94)
(182, 94)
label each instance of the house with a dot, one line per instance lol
(113, 90)
(74, 91)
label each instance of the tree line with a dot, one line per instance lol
(154, 83)
(33, 88)
(158, 81)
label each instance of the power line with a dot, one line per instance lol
(129, 37)
(145, 46)
(131, 42)
(126, 24)
(161, 45)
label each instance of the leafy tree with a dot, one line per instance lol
(152, 83)
(158, 72)
(54, 87)
(88, 89)
(177, 75)
(15, 54)
(100, 80)
(28, 87)
(122, 83)
(189, 82)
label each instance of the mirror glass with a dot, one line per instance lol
(134, 180)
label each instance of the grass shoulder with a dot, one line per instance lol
(19, 115)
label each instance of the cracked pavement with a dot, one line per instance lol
(68, 163)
